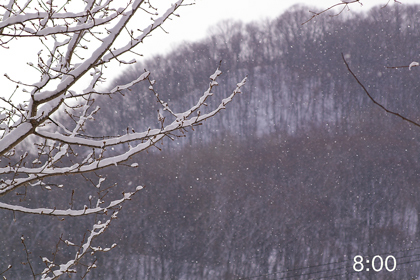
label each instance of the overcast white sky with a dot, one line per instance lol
(192, 25)
(196, 20)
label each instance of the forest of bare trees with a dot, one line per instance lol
(301, 174)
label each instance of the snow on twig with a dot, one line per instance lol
(413, 64)
(97, 229)
(69, 212)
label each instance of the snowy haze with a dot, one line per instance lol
(193, 24)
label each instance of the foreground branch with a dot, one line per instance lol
(342, 3)
(69, 212)
(373, 100)
(97, 229)
(25, 175)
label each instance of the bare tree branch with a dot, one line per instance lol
(373, 100)
(343, 3)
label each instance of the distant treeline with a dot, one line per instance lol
(296, 76)
(293, 180)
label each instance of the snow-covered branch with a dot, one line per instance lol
(44, 103)
(70, 212)
(147, 139)
(79, 42)
(98, 228)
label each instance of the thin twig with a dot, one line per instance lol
(9, 267)
(22, 239)
(373, 100)
(346, 4)
(395, 1)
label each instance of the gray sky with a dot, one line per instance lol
(192, 25)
